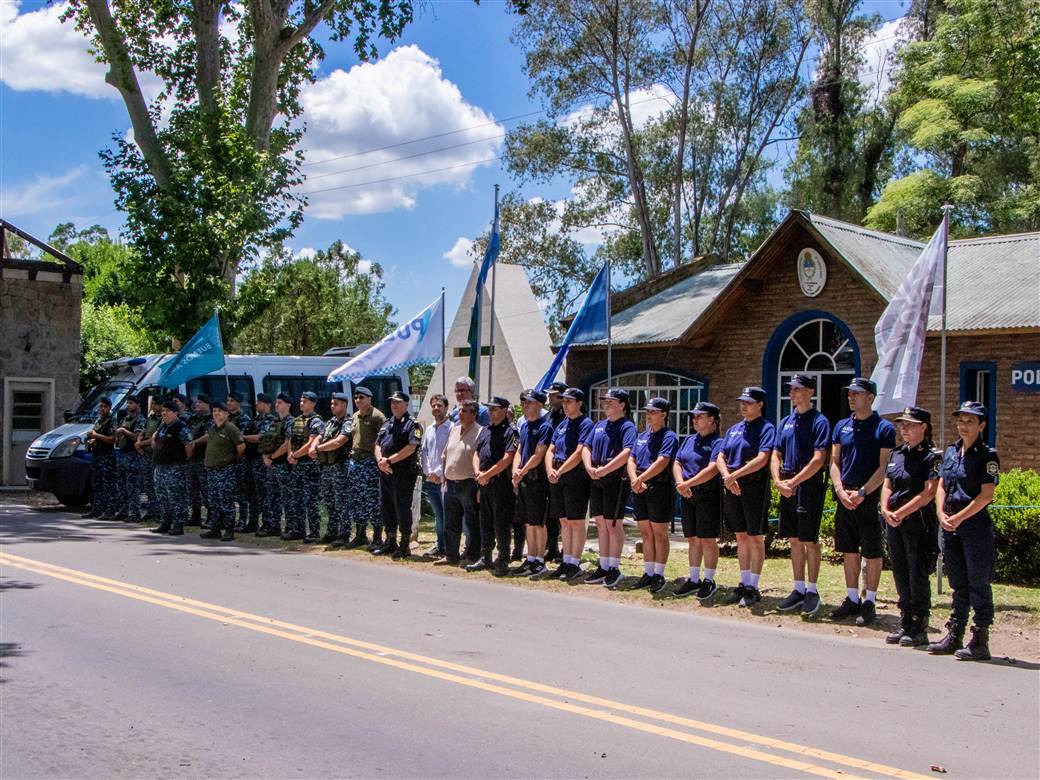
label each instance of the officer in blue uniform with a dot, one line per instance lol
(333, 452)
(553, 513)
(496, 447)
(257, 498)
(397, 456)
(969, 475)
(103, 474)
(129, 462)
(276, 458)
(797, 467)
(171, 448)
(861, 445)
(908, 509)
(697, 481)
(199, 422)
(743, 462)
(530, 481)
(305, 473)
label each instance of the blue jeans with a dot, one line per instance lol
(435, 496)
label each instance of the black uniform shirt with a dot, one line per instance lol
(963, 477)
(397, 433)
(907, 471)
(494, 441)
(106, 426)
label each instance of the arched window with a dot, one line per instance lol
(681, 391)
(822, 348)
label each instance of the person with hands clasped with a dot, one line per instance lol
(697, 481)
(495, 449)
(396, 449)
(530, 481)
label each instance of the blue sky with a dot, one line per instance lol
(454, 69)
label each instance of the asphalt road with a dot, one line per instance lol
(131, 655)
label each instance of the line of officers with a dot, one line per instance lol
(505, 487)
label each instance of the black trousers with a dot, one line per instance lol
(496, 517)
(970, 557)
(395, 496)
(913, 548)
(460, 501)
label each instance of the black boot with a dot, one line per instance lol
(212, 533)
(952, 640)
(360, 539)
(377, 539)
(905, 621)
(229, 533)
(389, 544)
(978, 647)
(162, 528)
(917, 634)
(403, 550)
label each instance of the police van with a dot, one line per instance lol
(58, 462)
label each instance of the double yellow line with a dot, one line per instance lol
(788, 755)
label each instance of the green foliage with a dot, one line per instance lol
(106, 333)
(1018, 530)
(304, 306)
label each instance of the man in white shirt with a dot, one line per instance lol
(431, 457)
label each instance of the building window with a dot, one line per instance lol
(463, 352)
(681, 391)
(27, 410)
(822, 349)
(979, 383)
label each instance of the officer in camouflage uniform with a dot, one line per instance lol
(243, 474)
(144, 446)
(129, 462)
(103, 477)
(332, 451)
(363, 484)
(278, 462)
(396, 456)
(199, 423)
(171, 447)
(305, 473)
(224, 449)
(260, 441)
(184, 412)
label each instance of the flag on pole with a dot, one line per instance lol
(900, 333)
(203, 354)
(490, 256)
(591, 323)
(416, 342)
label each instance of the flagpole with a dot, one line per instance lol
(942, 370)
(610, 357)
(444, 349)
(491, 339)
(227, 379)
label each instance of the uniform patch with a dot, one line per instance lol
(992, 468)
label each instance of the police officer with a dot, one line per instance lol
(862, 443)
(144, 446)
(184, 412)
(224, 448)
(696, 475)
(257, 474)
(968, 478)
(908, 509)
(333, 453)
(239, 417)
(305, 472)
(171, 447)
(553, 513)
(743, 462)
(496, 447)
(653, 498)
(530, 481)
(797, 468)
(103, 475)
(199, 422)
(129, 462)
(275, 450)
(605, 459)
(363, 487)
(396, 454)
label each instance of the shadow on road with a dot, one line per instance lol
(8, 650)
(6, 583)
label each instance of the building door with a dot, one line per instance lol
(822, 349)
(28, 412)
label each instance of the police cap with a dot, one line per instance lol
(617, 394)
(704, 407)
(557, 387)
(498, 402)
(972, 407)
(752, 395)
(340, 397)
(202, 397)
(658, 405)
(397, 395)
(574, 394)
(171, 405)
(264, 398)
(234, 395)
(915, 414)
(219, 405)
(310, 395)
(133, 399)
(362, 390)
(530, 394)
(287, 398)
(803, 381)
(861, 385)
(105, 401)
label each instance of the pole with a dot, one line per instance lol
(491, 324)
(610, 357)
(444, 349)
(227, 379)
(942, 371)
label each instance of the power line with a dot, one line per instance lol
(405, 176)
(406, 157)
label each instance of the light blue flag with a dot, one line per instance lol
(591, 323)
(203, 353)
(416, 342)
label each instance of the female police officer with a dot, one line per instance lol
(908, 508)
(697, 480)
(968, 478)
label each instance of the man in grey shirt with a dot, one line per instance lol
(460, 491)
(431, 457)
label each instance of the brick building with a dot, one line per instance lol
(808, 300)
(39, 347)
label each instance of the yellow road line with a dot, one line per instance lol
(384, 655)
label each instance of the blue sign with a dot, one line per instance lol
(1025, 377)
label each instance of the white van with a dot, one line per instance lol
(58, 463)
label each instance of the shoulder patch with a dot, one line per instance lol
(992, 468)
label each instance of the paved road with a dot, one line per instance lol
(133, 655)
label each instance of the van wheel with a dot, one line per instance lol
(72, 500)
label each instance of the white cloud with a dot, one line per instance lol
(879, 59)
(459, 254)
(645, 104)
(306, 253)
(43, 193)
(397, 99)
(364, 266)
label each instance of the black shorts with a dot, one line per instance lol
(571, 494)
(801, 513)
(608, 496)
(656, 503)
(702, 514)
(859, 530)
(532, 498)
(748, 512)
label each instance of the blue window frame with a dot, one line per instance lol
(979, 383)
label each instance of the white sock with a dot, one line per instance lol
(531, 559)
(709, 574)
(799, 585)
(658, 568)
(745, 576)
(603, 562)
(810, 587)
(695, 574)
(853, 594)
(614, 561)
(648, 568)
(568, 559)
(753, 580)
(540, 560)
(871, 595)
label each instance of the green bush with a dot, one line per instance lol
(1017, 530)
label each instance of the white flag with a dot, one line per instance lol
(416, 342)
(899, 334)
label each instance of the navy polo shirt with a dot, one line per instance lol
(907, 471)
(651, 445)
(398, 433)
(532, 434)
(569, 434)
(494, 442)
(697, 452)
(800, 437)
(963, 477)
(609, 437)
(861, 444)
(745, 440)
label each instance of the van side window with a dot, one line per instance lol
(382, 388)
(294, 385)
(216, 387)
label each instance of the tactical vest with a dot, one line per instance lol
(122, 442)
(300, 431)
(334, 428)
(105, 427)
(271, 439)
(169, 450)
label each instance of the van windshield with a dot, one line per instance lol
(116, 392)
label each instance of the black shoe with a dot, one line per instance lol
(434, 552)
(523, 570)
(658, 583)
(751, 596)
(268, 531)
(292, 537)
(951, 642)
(905, 622)
(228, 535)
(846, 609)
(478, 565)
(553, 556)
(917, 633)
(538, 569)
(737, 594)
(794, 601)
(643, 582)
(360, 540)
(811, 605)
(377, 539)
(613, 579)
(688, 588)
(501, 568)
(388, 547)
(90, 513)
(162, 528)
(212, 533)
(329, 539)
(176, 530)
(707, 590)
(517, 556)
(595, 577)
(574, 574)
(550, 574)
(107, 516)
(978, 646)
(867, 613)
(119, 516)
(311, 539)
